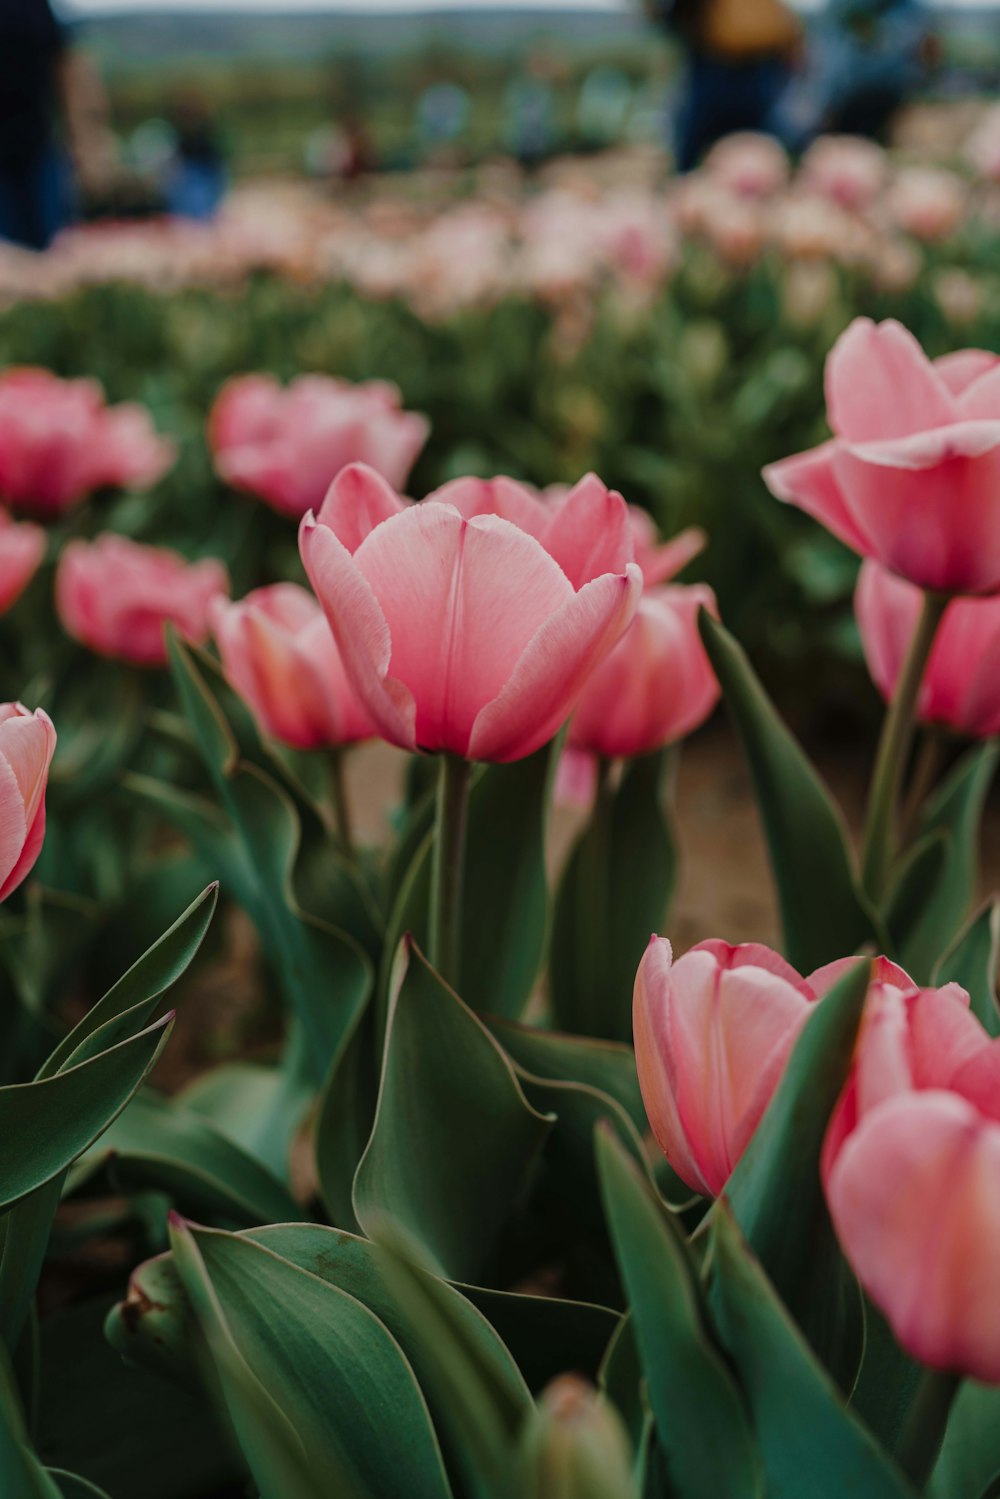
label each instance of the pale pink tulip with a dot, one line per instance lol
(961, 683)
(27, 743)
(662, 560)
(657, 685)
(59, 442)
(286, 444)
(928, 202)
(912, 1173)
(750, 165)
(464, 635)
(848, 169)
(115, 596)
(279, 655)
(21, 550)
(912, 474)
(713, 1032)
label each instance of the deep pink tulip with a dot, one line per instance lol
(961, 683)
(115, 596)
(280, 656)
(657, 684)
(911, 477)
(285, 444)
(465, 635)
(912, 1173)
(21, 550)
(59, 442)
(27, 743)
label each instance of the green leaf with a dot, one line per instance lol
(258, 1108)
(158, 1145)
(955, 812)
(327, 1364)
(812, 1446)
(700, 1418)
(547, 1335)
(969, 1461)
(973, 962)
(21, 1474)
(344, 1122)
(614, 892)
(607, 1066)
(45, 1125)
(823, 911)
(775, 1193)
(72, 1486)
(447, 1174)
(911, 900)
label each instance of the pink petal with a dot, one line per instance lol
(589, 533)
(358, 500)
(880, 384)
(809, 480)
(655, 1062)
(500, 496)
(959, 370)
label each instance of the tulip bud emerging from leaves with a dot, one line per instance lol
(575, 1446)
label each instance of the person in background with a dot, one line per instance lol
(44, 81)
(738, 63)
(197, 178)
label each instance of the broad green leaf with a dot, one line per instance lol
(775, 1192)
(614, 892)
(344, 1122)
(974, 962)
(911, 900)
(608, 1066)
(258, 1107)
(701, 1422)
(454, 1140)
(547, 1335)
(328, 1364)
(812, 1446)
(147, 979)
(955, 811)
(45, 1125)
(823, 911)
(969, 1462)
(158, 1145)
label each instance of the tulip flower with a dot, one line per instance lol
(286, 444)
(279, 655)
(656, 685)
(21, 550)
(662, 560)
(911, 476)
(713, 1032)
(115, 597)
(961, 682)
(59, 443)
(465, 636)
(27, 743)
(912, 1173)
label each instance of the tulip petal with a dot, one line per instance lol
(552, 671)
(655, 1062)
(590, 533)
(880, 384)
(809, 481)
(960, 369)
(915, 1198)
(500, 496)
(360, 630)
(13, 826)
(358, 500)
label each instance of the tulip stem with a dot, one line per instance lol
(927, 766)
(448, 866)
(341, 806)
(925, 1425)
(596, 853)
(897, 730)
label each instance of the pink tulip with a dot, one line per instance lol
(59, 442)
(662, 560)
(21, 550)
(657, 684)
(279, 655)
(912, 1173)
(961, 683)
(713, 1033)
(912, 474)
(465, 635)
(847, 169)
(115, 597)
(286, 444)
(27, 742)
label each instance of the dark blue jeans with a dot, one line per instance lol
(720, 97)
(34, 199)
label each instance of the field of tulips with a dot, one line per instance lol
(465, 1184)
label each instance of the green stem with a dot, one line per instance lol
(926, 769)
(892, 750)
(341, 805)
(595, 857)
(925, 1425)
(448, 866)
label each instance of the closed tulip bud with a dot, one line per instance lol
(278, 653)
(912, 1173)
(467, 635)
(657, 684)
(960, 688)
(911, 477)
(27, 743)
(21, 550)
(59, 442)
(285, 444)
(116, 596)
(575, 1446)
(713, 1032)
